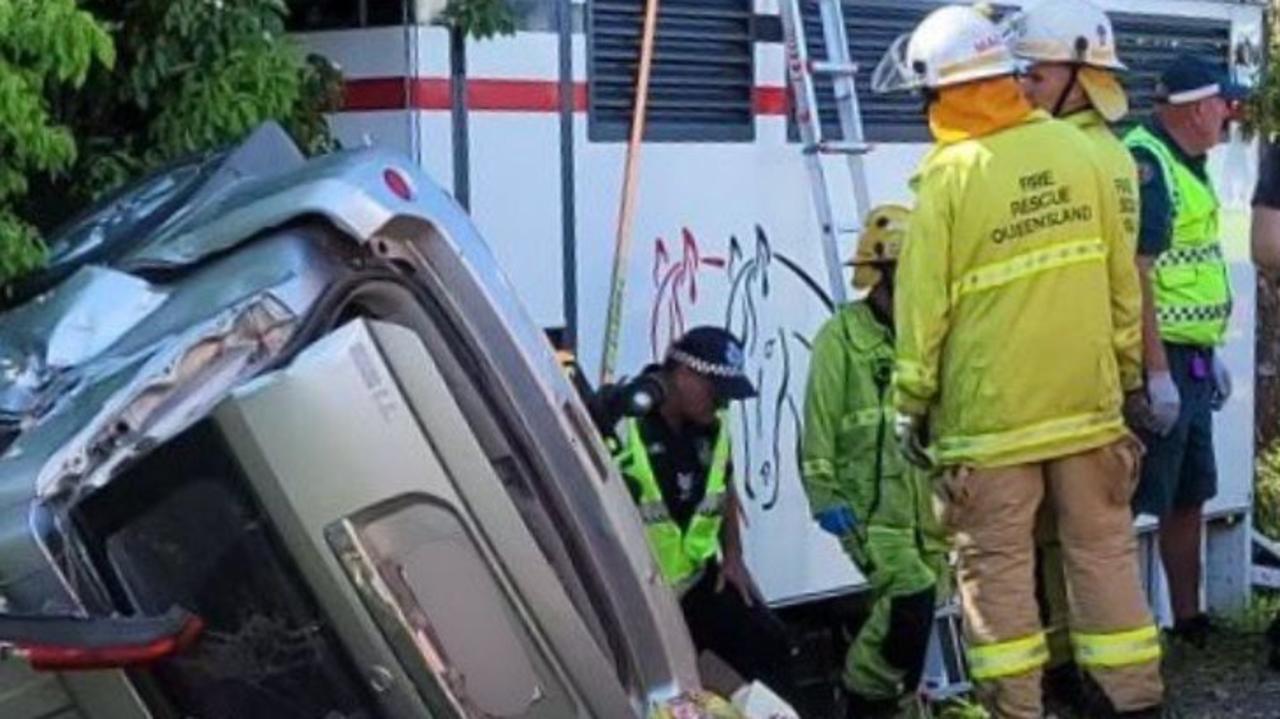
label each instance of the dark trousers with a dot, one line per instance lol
(751, 639)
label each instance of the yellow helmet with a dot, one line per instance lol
(879, 244)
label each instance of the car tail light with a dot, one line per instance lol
(78, 643)
(398, 184)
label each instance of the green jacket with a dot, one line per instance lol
(849, 454)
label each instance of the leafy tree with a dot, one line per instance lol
(190, 75)
(480, 18)
(43, 44)
(94, 93)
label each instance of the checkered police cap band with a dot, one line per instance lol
(703, 367)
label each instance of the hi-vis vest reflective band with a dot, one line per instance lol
(682, 556)
(1192, 283)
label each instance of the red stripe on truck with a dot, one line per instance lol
(489, 95)
(434, 93)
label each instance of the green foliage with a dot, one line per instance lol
(43, 44)
(210, 72)
(187, 76)
(1266, 493)
(1263, 607)
(193, 75)
(1263, 115)
(321, 93)
(480, 18)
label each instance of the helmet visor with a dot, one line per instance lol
(1012, 27)
(894, 72)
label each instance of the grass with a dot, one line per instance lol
(1266, 498)
(1255, 618)
(1229, 679)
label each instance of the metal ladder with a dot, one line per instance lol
(946, 673)
(801, 71)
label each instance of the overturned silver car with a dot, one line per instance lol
(279, 442)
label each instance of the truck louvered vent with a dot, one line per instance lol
(1147, 43)
(703, 71)
(871, 28)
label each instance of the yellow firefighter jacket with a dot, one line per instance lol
(1017, 298)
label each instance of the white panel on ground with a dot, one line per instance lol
(1227, 561)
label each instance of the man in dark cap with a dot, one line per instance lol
(1178, 245)
(669, 433)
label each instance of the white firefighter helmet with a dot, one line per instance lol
(1071, 31)
(953, 45)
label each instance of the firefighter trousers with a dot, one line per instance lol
(991, 516)
(1051, 586)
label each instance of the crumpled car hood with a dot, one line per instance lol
(105, 358)
(45, 340)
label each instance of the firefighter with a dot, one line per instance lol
(1018, 326)
(860, 487)
(1265, 252)
(1178, 241)
(669, 432)
(1071, 51)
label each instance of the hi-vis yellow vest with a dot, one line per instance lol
(682, 554)
(1192, 282)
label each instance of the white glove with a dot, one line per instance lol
(1221, 384)
(909, 429)
(1166, 403)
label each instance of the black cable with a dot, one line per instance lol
(1066, 91)
(1081, 50)
(881, 377)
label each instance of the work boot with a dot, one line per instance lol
(1194, 631)
(1063, 688)
(857, 706)
(1094, 703)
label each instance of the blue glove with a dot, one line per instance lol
(839, 521)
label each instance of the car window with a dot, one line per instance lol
(114, 224)
(121, 215)
(181, 529)
(453, 604)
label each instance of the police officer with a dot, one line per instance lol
(1178, 243)
(860, 487)
(669, 433)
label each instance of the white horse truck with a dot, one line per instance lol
(256, 404)
(529, 131)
